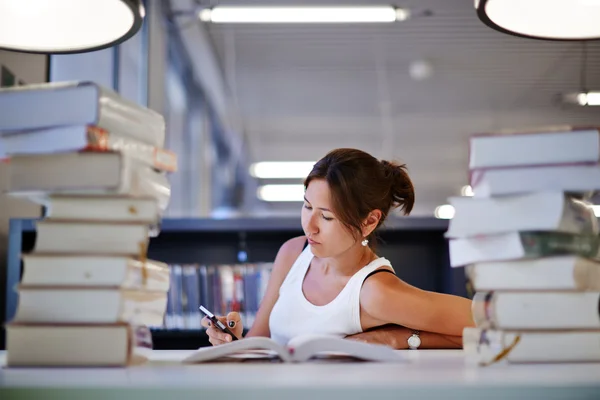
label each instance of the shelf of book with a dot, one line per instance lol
(415, 246)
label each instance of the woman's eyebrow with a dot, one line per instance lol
(320, 208)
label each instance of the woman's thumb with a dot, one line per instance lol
(234, 321)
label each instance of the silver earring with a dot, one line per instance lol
(365, 242)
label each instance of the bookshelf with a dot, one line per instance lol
(415, 246)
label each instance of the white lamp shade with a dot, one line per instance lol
(67, 26)
(543, 19)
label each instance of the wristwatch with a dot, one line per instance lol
(414, 341)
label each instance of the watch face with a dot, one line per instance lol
(414, 341)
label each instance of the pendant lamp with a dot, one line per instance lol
(542, 19)
(583, 97)
(67, 26)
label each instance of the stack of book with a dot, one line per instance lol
(97, 162)
(529, 241)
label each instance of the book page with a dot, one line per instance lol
(253, 348)
(332, 348)
(266, 356)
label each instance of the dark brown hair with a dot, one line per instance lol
(360, 183)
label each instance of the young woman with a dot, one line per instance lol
(331, 281)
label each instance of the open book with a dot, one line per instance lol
(300, 349)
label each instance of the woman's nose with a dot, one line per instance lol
(311, 225)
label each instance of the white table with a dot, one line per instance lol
(428, 374)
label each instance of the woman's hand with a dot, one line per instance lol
(216, 336)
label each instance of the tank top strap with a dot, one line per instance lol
(355, 285)
(379, 263)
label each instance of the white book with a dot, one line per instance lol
(548, 273)
(521, 245)
(86, 208)
(485, 346)
(87, 305)
(536, 310)
(40, 345)
(84, 173)
(94, 271)
(77, 103)
(563, 145)
(542, 211)
(300, 349)
(508, 181)
(91, 238)
(64, 139)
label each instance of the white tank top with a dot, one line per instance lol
(294, 315)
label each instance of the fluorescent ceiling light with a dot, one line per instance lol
(583, 98)
(542, 19)
(290, 15)
(589, 99)
(281, 169)
(67, 26)
(445, 211)
(281, 193)
(466, 190)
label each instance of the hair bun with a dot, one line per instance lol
(401, 192)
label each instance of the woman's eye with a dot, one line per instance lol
(327, 218)
(307, 207)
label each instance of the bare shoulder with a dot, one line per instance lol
(378, 287)
(293, 246)
(287, 255)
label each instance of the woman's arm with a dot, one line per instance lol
(397, 337)
(385, 299)
(287, 255)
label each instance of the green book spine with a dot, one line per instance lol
(541, 244)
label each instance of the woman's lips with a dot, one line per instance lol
(310, 241)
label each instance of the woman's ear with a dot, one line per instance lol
(371, 222)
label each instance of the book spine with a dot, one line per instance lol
(203, 284)
(540, 244)
(175, 309)
(192, 296)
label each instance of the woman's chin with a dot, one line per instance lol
(315, 249)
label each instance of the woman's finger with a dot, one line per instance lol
(216, 334)
(233, 319)
(234, 322)
(215, 342)
(205, 322)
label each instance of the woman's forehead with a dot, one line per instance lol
(318, 191)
